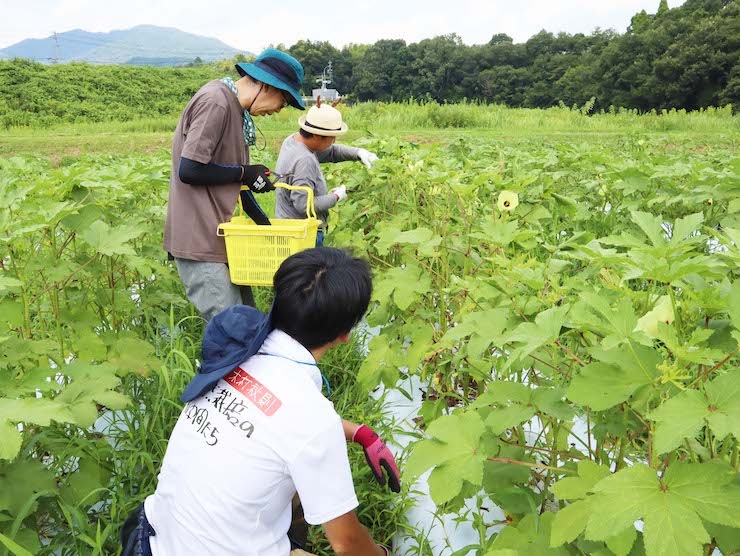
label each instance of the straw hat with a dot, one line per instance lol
(323, 120)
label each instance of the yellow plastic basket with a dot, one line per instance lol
(255, 252)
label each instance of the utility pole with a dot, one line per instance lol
(56, 43)
(326, 76)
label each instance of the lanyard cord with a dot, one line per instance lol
(326, 381)
(264, 139)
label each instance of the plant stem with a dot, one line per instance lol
(546, 450)
(622, 452)
(588, 431)
(569, 352)
(534, 465)
(692, 454)
(652, 457)
(727, 445)
(717, 366)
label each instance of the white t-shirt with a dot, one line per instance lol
(239, 453)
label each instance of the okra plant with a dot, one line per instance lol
(573, 313)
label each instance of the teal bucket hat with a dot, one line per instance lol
(278, 69)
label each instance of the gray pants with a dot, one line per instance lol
(208, 287)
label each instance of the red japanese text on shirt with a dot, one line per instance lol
(254, 391)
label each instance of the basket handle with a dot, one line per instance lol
(310, 209)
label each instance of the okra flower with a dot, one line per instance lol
(662, 312)
(507, 201)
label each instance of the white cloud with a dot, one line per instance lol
(253, 26)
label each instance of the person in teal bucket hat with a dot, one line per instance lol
(279, 70)
(210, 163)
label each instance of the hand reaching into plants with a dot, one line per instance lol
(378, 457)
(340, 192)
(367, 158)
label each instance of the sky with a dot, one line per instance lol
(254, 25)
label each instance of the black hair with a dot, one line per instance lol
(320, 294)
(305, 134)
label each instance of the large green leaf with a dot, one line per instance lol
(82, 396)
(543, 331)
(575, 488)
(380, 363)
(601, 386)
(499, 233)
(734, 304)
(486, 324)
(133, 354)
(10, 440)
(406, 284)
(87, 484)
(684, 415)
(617, 375)
(670, 506)
(453, 451)
(685, 227)
(424, 239)
(20, 480)
(619, 321)
(651, 225)
(514, 403)
(38, 411)
(111, 241)
(7, 282)
(531, 537)
(570, 522)
(621, 544)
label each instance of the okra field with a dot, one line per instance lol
(562, 302)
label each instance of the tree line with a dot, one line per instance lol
(685, 57)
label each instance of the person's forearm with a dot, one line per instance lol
(358, 543)
(323, 203)
(348, 537)
(349, 429)
(339, 153)
(196, 173)
(361, 549)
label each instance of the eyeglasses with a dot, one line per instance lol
(284, 94)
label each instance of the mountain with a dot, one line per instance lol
(140, 45)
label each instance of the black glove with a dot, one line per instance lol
(255, 178)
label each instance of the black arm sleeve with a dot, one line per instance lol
(253, 209)
(195, 173)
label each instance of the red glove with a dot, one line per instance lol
(378, 457)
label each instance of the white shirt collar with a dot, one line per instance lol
(280, 344)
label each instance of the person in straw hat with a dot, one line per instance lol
(300, 158)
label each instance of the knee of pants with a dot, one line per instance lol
(208, 287)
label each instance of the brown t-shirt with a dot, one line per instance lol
(209, 130)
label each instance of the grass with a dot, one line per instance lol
(422, 122)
